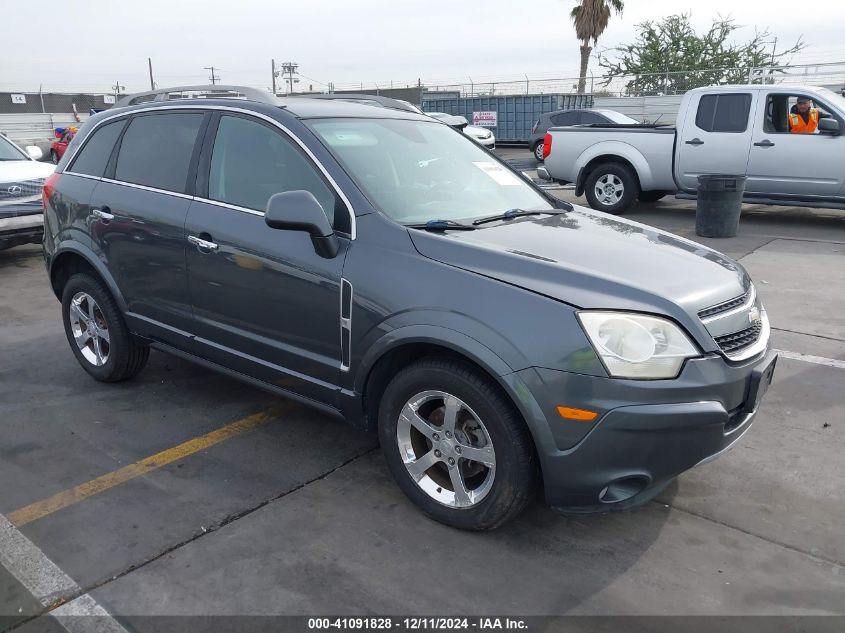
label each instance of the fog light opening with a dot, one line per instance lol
(622, 489)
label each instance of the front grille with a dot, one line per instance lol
(24, 189)
(723, 307)
(738, 341)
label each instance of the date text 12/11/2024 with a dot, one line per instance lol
(416, 624)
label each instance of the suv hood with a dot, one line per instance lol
(593, 260)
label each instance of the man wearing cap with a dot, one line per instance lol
(803, 118)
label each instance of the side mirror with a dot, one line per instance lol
(300, 211)
(829, 126)
(34, 152)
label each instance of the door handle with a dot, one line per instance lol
(764, 143)
(695, 141)
(103, 214)
(201, 243)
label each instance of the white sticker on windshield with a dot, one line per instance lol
(498, 173)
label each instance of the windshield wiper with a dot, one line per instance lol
(510, 214)
(441, 225)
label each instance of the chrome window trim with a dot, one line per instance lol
(78, 175)
(194, 106)
(134, 185)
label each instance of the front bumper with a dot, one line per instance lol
(21, 223)
(648, 432)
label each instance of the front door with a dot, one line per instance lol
(138, 226)
(264, 302)
(715, 137)
(785, 164)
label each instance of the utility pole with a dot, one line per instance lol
(214, 78)
(117, 88)
(273, 67)
(150, 64)
(289, 68)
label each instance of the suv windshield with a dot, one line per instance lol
(10, 152)
(415, 171)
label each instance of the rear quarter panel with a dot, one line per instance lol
(649, 151)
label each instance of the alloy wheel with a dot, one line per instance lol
(609, 189)
(90, 329)
(446, 449)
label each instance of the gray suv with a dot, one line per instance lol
(383, 268)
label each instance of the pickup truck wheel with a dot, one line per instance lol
(651, 196)
(456, 445)
(537, 150)
(611, 188)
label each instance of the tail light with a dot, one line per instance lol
(536, 125)
(547, 146)
(48, 189)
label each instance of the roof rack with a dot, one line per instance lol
(209, 91)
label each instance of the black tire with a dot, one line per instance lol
(650, 196)
(614, 172)
(126, 355)
(535, 148)
(54, 157)
(516, 472)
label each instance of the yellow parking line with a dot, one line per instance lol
(66, 498)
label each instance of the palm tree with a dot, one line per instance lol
(591, 18)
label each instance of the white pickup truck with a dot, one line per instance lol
(736, 130)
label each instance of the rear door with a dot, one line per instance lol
(784, 164)
(715, 137)
(264, 302)
(138, 222)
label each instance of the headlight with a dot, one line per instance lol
(636, 345)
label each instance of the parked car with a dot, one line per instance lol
(737, 130)
(59, 146)
(366, 99)
(565, 118)
(481, 135)
(373, 264)
(21, 180)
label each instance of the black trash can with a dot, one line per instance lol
(719, 205)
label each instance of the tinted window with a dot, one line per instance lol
(156, 150)
(592, 117)
(94, 155)
(566, 118)
(250, 162)
(723, 113)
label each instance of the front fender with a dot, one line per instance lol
(68, 247)
(607, 151)
(435, 335)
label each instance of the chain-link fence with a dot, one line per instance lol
(831, 75)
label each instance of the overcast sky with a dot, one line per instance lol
(90, 44)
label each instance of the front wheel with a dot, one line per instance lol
(611, 188)
(456, 445)
(538, 151)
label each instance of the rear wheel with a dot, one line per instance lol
(537, 150)
(456, 446)
(650, 196)
(611, 187)
(97, 333)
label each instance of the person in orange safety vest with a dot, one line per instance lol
(803, 118)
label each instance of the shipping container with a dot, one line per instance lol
(510, 118)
